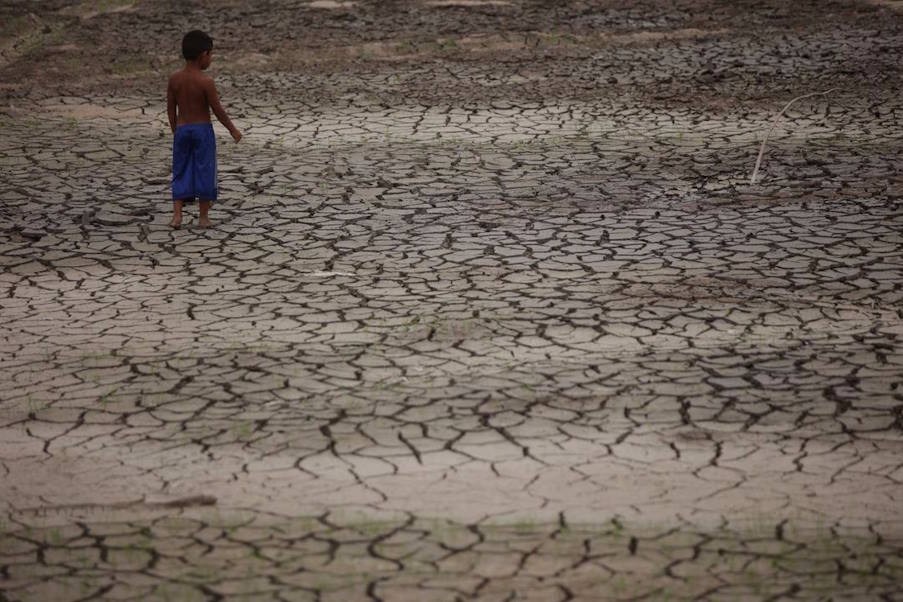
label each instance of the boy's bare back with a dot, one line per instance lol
(191, 95)
(190, 90)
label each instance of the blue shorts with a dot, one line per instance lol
(194, 162)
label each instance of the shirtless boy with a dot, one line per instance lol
(190, 96)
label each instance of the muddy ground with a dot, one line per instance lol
(491, 310)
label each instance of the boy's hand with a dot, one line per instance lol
(236, 135)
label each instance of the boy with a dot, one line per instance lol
(190, 96)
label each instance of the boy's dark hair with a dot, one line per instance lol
(194, 43)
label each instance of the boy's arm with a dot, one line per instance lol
(171, 106)
(219, 111)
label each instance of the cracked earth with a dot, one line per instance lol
(491, 309)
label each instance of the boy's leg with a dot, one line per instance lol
(176, 213)
(203, 220)
(182, 173)
(205, 172)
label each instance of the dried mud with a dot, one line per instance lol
(491, 310)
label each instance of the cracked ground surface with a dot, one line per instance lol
(491, 310)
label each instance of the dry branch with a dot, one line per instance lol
(774, 123)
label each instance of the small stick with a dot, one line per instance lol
(774, 123)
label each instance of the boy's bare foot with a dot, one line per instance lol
(203, 220)
(176, 221)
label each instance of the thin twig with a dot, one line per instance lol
(774, 123)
